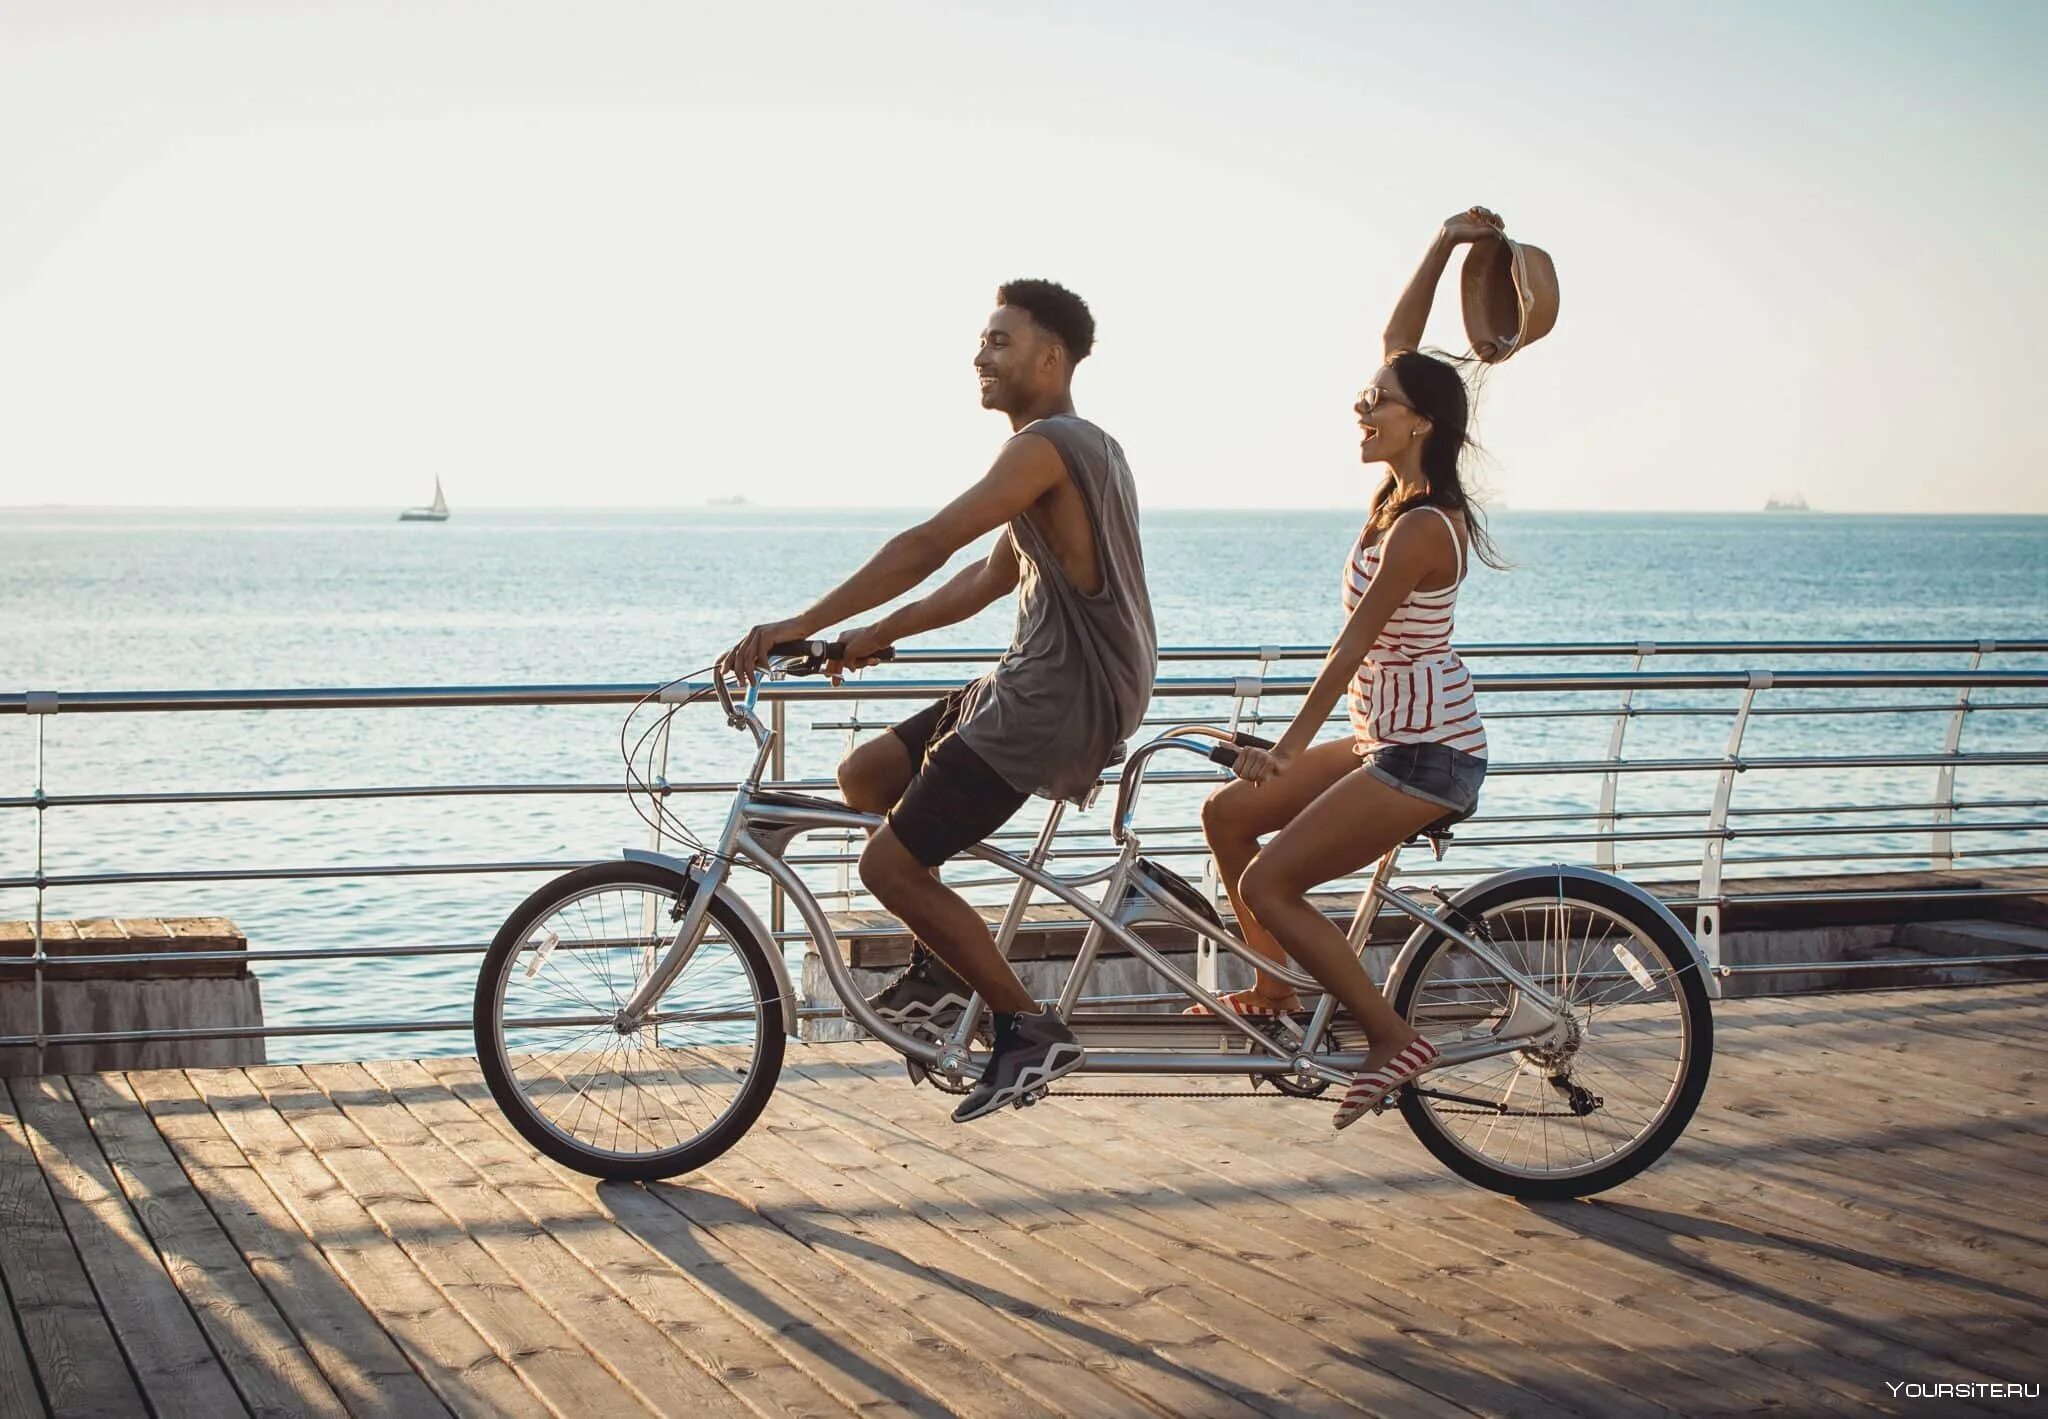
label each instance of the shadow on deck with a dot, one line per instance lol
(370, 1239)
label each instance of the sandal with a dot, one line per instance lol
(1250, 1003)
(1369, 1090)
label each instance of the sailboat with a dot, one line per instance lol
(438, 512)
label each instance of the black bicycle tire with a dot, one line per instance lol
(1692, 991)
(491, 1056)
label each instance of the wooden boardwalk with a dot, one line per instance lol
(1860, 1201)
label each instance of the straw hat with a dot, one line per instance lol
(1510, 296)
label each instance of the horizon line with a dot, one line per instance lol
(1498, 508)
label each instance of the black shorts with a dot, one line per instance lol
(954, 799)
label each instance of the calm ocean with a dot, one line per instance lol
(141, 600)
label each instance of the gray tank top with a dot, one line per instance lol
(1078, 674)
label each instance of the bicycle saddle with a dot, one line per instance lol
(1439, 832)
(1180, 889)
(783, 799)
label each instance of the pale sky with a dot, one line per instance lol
(610, 253)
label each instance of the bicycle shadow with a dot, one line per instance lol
(829, 1230)
(1657, 1235)
(678, 1237)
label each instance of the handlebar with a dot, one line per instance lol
(799, 658)
(810, 657)
(1181, 736)
(1226, 754)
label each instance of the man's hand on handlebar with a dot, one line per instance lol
(859, 648)
(754, 648)
(774, 640)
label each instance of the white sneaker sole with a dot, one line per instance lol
(932, 1020)
(1060, 1061)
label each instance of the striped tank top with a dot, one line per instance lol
(1412, 688)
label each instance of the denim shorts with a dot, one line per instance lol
(1449, 778)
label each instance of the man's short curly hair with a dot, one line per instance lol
(1056, 308)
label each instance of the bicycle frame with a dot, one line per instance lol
(760, 826)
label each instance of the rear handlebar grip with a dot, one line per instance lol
(1250, 741)
(1224, 754)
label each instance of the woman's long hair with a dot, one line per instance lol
(1436, 390)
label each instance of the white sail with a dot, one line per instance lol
(438, 512)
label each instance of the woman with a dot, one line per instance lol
(1417, 749)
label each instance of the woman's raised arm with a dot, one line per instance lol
(1411, 312)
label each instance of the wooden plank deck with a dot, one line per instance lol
(1858, 1202)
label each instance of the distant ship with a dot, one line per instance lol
(438, 512)
(1795, 503)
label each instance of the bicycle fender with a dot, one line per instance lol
(683, 867)
(1548, 874)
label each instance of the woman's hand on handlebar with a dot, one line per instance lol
(861, 647)
(751, 654)
(1256, 765)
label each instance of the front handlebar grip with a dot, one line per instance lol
(1250, 741)
(1224, 754)
(810, 657)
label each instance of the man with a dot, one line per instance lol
(1048, 718)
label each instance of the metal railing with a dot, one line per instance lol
(1615, 834)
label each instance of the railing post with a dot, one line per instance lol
(1603, 851)
(660, 784)
(1945, 777)
(41, 706)
(1707, 929)
(778, 764)
(849, 840)
(1246, 689)
(648, 924)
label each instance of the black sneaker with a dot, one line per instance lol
(926, 1000)
(1030, 1052)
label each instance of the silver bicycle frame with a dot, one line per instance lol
(759, 832)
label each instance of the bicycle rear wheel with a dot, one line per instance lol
(635, 1104)
(1578, 1116)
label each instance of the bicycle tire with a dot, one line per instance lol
(1678, 967)
(494, 1056)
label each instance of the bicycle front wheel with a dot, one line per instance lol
(662, 1097)
(1578, 1115)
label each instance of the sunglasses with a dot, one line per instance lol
(1374, 396)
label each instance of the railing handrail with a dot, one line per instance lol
(1242, 695)
(462, 696)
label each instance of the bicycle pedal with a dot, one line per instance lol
(917, 1072)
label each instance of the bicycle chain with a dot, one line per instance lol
(1247, 1094)
(943, 1088)
(1275, 1097)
